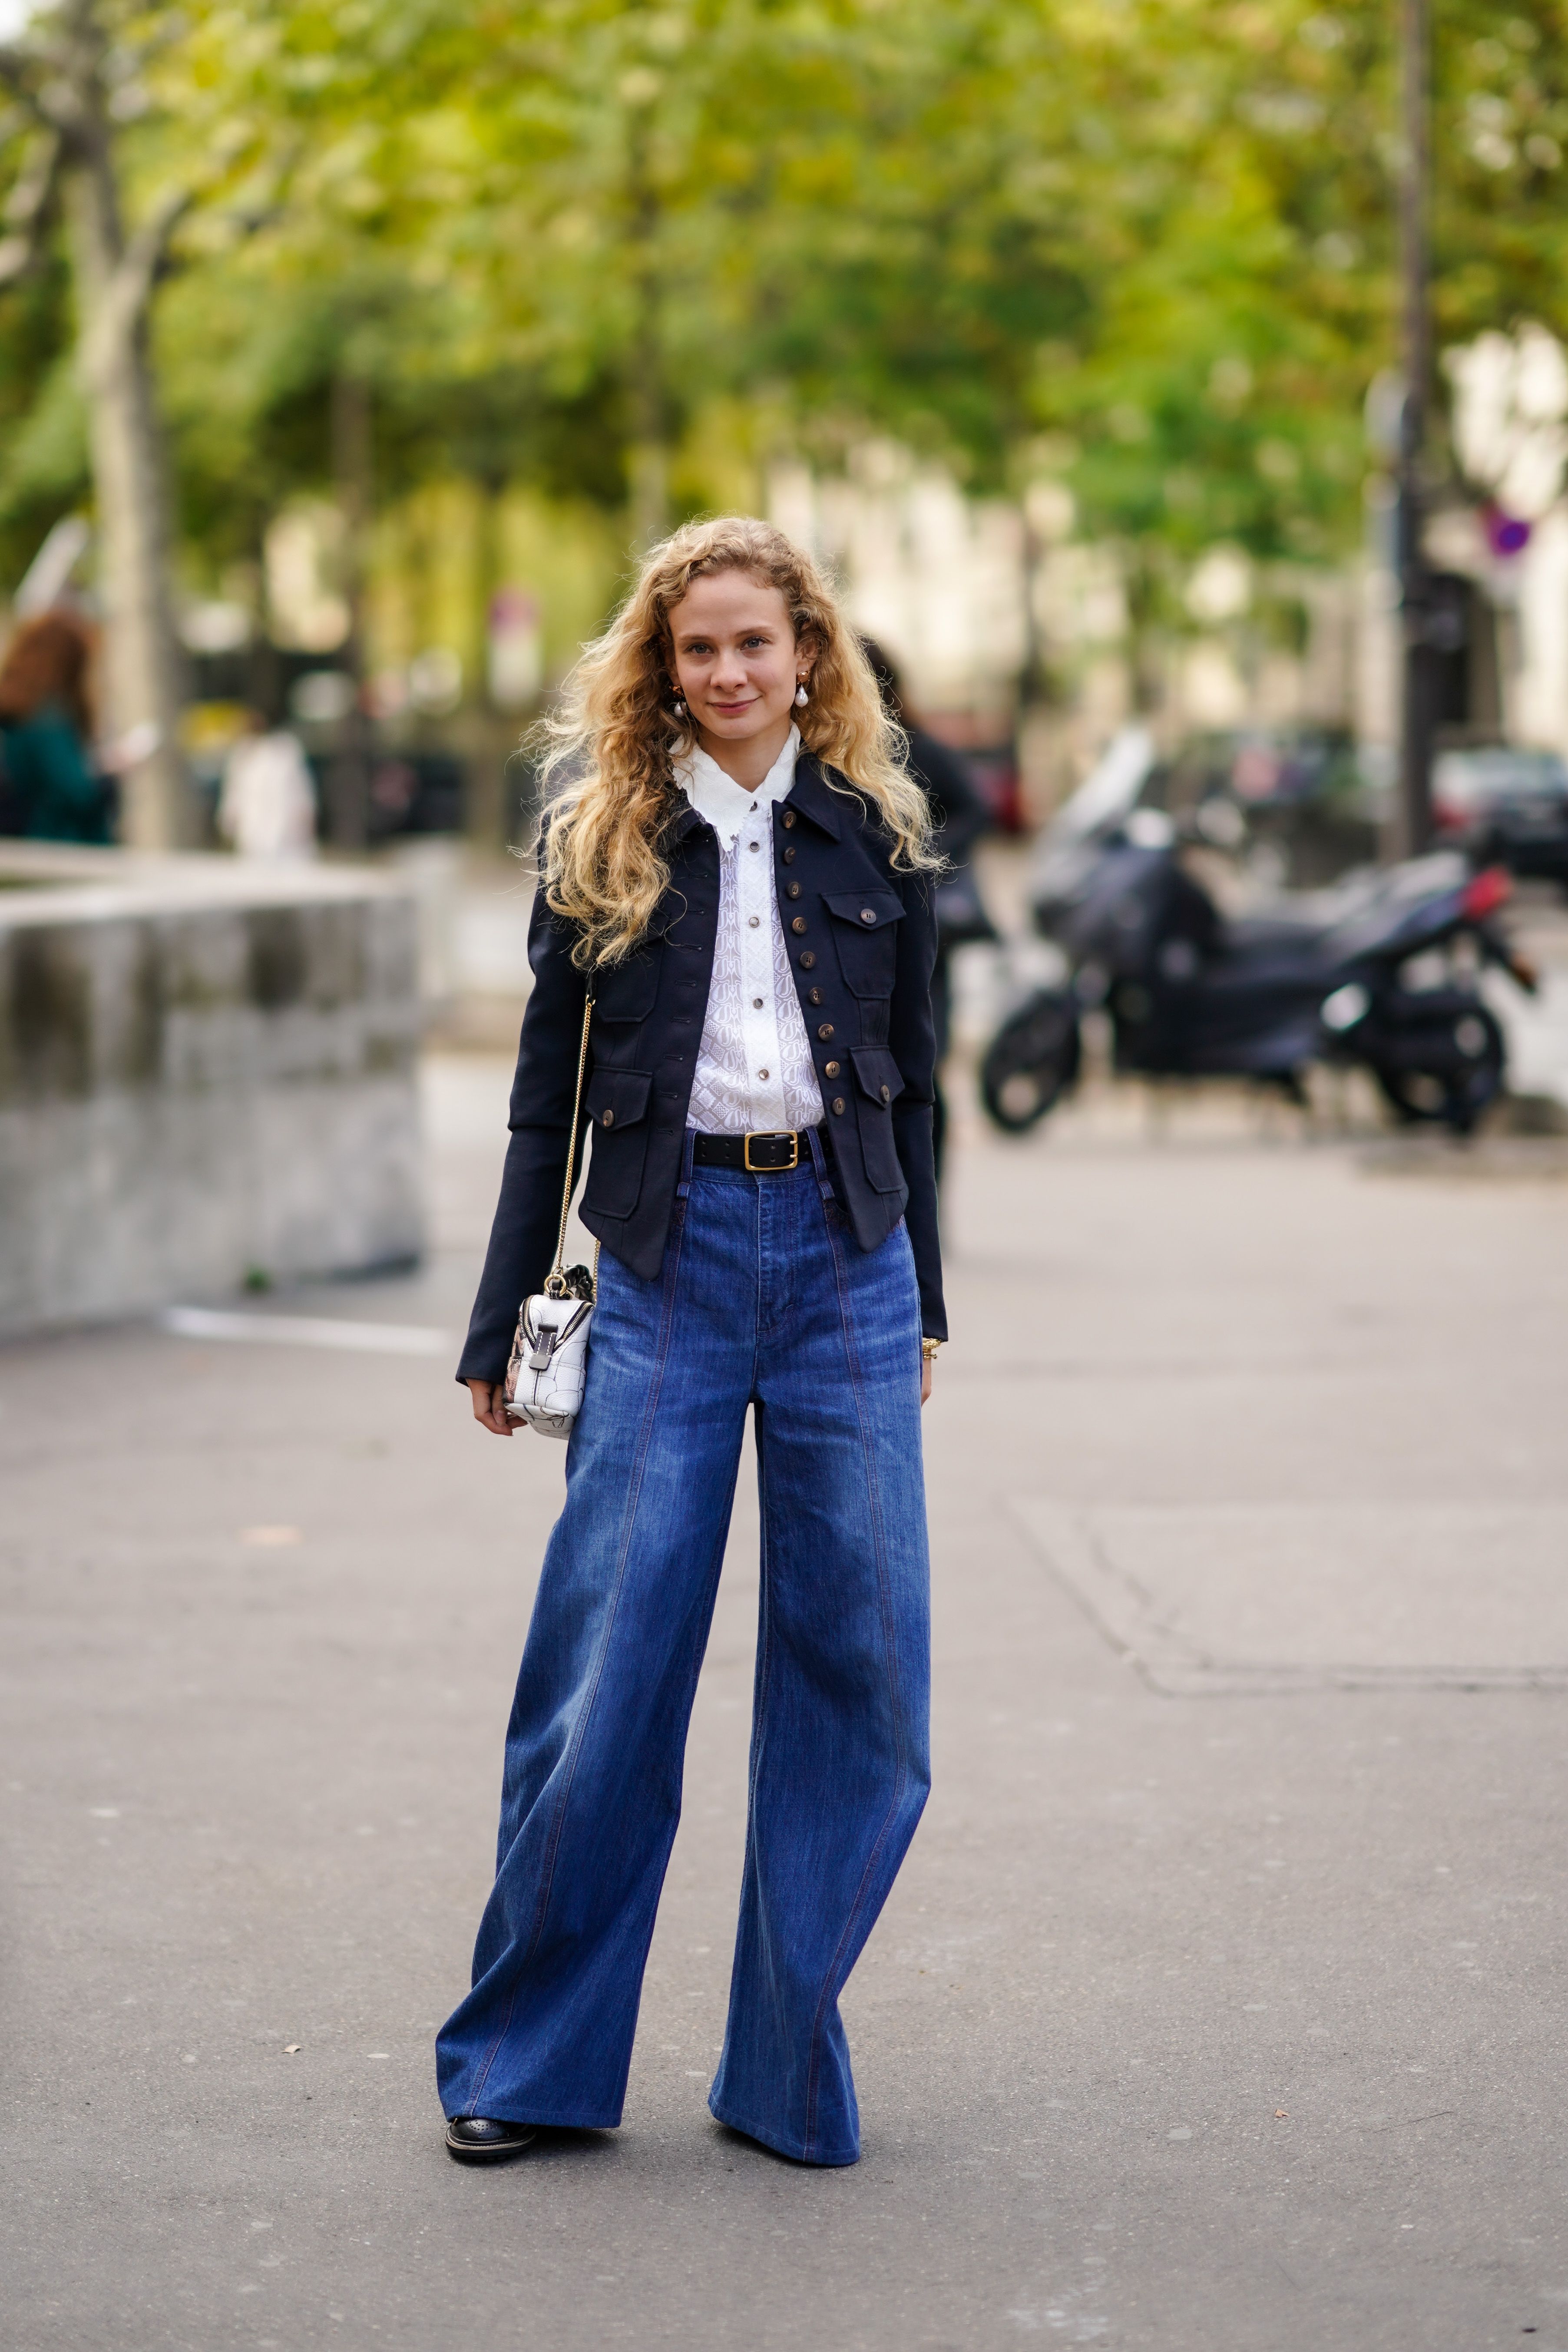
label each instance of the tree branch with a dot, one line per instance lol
(27, 210)
(132, 280)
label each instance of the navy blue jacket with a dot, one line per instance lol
(861, 938)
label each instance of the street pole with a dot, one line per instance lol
(1417, 716)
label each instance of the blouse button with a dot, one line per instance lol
(798, 924)
(753, 920)
(753, 845)
(756, 1003)
(762, 1074)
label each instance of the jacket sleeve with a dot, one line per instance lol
(912, 1040)
(523, 1237)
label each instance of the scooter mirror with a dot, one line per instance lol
(1150, 829)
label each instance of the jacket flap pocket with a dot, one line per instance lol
(868, 911)
(877, 1072)
(617, 1097)
(626, 992)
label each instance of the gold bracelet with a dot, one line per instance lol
(929, 1349)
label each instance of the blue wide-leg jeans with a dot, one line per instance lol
(765, 1300)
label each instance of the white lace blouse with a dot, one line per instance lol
(753, 1066)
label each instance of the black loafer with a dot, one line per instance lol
(482, 2139)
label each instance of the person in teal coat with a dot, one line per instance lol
(50, 790)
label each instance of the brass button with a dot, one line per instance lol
(789, 858)
(825, 1030)
(607, 1119)
(838, 1106)
(793, 889)
(789, 816)
(807, 960)
(887, 1094)
(798, 924)
(812, 995)
(867, 915)
(830, 1069)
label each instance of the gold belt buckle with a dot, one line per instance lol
(773, 1135)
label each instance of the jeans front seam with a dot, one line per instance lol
(580, 1728)
(815, 2065)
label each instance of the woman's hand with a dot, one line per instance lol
(490, 1406)
(928, 1365)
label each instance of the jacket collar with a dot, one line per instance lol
(815, 798)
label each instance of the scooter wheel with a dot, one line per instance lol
(1466, 1077)
(1030, 1062)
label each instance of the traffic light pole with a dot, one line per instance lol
(1417, 713)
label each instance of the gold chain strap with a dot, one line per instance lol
(555, 1280)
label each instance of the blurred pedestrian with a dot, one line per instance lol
(959, 816)
(267, 807)
(733, 937)
(51, 791)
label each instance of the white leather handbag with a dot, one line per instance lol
(548, 1363)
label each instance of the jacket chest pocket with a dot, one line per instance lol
(864, 928)
(626, 992)
(616, 1102)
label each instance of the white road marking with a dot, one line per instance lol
(307, 1331)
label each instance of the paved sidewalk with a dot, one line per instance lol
(1220, 2005)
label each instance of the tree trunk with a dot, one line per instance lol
(144, 664)
(648, 467)
(347, 778)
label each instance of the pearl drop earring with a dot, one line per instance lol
(679, 707)
(801, 697)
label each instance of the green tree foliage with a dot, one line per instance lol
(1144, 243)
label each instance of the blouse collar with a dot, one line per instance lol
(721, 800)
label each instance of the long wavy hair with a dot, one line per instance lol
(609, 780)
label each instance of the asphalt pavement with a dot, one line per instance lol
(1219, 2007)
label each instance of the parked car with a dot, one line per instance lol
(1504, 805)
(1297, 801)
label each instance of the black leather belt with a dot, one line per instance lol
(764, 1153)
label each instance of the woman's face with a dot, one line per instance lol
(737, 663)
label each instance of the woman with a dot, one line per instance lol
(739, 870)
(50, 789)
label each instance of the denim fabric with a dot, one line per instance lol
(766, 1299)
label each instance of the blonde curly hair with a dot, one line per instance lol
(615, 735)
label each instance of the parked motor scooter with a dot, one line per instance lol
(1192, 994)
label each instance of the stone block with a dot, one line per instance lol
(207, 1077)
